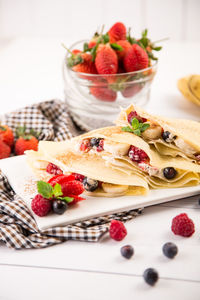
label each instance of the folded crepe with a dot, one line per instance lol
(111, 181)
(169, 136)
(131, 154)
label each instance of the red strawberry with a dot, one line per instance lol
(92, 43)
(117, 32)
(135, 59)
(87, 66)
(125, 45)
(106, 60)
(76, 51)
(74, 187)
(76, 199)
(26, 143)
(6, 135)
(103, 93)
(4, 150)
(131, 90)
(61, 178)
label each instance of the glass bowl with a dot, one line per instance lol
(95, 101)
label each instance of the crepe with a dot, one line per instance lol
(93, 166)
(184, 135)
(116, 154)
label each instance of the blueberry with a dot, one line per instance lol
(170, 250)
(90, 185)
(127, 251)
(59, 207)
(169, 172)
(150, 276)
(94, 142)
(168, 137)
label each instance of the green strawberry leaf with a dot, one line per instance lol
(74, 60)
(57, 190)
(45, 189)
(135, 123)
(127, 129)
(85, 47)
(115, 46)
(150, 54)
(67, 199)
(105, 38)
(144, 33)
(2, 128)
(157, 48)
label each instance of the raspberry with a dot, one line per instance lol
(41, 206)
(85, 145)
(53, 169)
(132, 115)
(117, 230)
(138, 155)
(78, 177)
(74, 187)
(182, 225)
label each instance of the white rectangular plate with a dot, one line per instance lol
(23, 182)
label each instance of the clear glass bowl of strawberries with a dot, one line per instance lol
(110, 71)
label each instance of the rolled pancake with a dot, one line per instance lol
(93, 166)
(186, 130)
(187, 171)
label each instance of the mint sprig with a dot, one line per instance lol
(136, 127)
(48, 191)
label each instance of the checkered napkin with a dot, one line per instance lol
(18, 228)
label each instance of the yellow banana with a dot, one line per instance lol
(190, 87)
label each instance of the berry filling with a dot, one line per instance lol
(93, 143)
(137, 155)
(132, 115)
(53, 169)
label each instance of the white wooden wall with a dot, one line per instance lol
(78, 19)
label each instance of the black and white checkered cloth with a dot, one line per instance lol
(18, 228)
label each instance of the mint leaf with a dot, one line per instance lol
(67, 199)
(45, 189)
(127, 129)
(57, 190)
(135, 123)
(137, 132)
(115, 46)
(144, 127)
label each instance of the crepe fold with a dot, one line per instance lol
(181, 137)
(64, 155)
(117, 145)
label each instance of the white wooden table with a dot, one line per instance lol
(30, 71)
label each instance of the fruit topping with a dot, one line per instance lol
(53, 169)
(89, 184)
(127, 251)
(136, 127)
(169, 172)
(59, 207)
(137, 155)
(61, 178)
(85, 145)
(132, 115)
(78, 177)
(182, 225)
(117, 230)
(154, 132)
(95, 142)
(150, 276)
(41, 206)
(100, 146)
(74, 187)
(168, 137)
(170, 250)
(114, 188)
